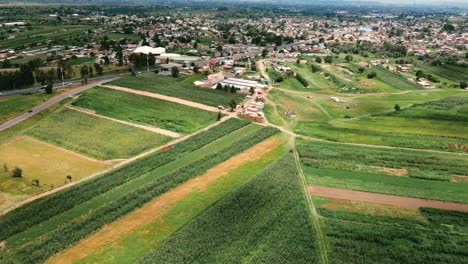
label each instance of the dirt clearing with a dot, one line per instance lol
(401, 201)
(156, 209)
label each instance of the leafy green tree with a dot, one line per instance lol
(463, 84)
(397, 107)
(175, 72)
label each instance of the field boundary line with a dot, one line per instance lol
(160, 205)
(163, 97)
(112, 167)
(145, 127)
(386, 199)
(322, 248)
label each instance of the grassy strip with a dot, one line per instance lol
(61, 238)
(43, 209)
(394, 79)
(168, 86)
(266, 221)
(360, 238)
(145, 110)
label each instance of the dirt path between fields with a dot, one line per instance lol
(163, 97)
(157, 208)
(117, 165)
(386, 199)
(148, 128)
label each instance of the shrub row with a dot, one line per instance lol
(40, 210)
(70, 233)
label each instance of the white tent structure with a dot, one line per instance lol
(147, 50)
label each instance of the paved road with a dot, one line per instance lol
(51, 102)
(56, 86)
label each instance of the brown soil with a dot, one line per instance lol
(156, 209)
(401, 201)
(459, 178)
(394, 172)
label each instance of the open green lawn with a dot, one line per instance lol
(177, 87)
(94, 136)
(390, 171)
(265, 221)
(13, 106)
(317, 83)
(145, 110)
(118, 36)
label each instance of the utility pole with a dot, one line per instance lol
(147, 62)
(63, 82)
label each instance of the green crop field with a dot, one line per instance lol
(390, 171)
(54, 240)
(145, 110)
(94, 136)
(436, 236)
(178, 88)
(264, 221)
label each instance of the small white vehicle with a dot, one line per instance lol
(220, 107)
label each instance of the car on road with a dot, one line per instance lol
(30, 111)
(220, 107)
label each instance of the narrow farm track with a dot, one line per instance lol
(322, 247)
(115, 166)
(156, 209)
(163, 97)
(147, 128)
(385, 199)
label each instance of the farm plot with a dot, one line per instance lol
(317, 82)
(266, 220)
(365, 234)
(388, 171)
(39, 161)
(178, 88)
(138, 232)
(145, 110)
(72, 231)
(94, 136)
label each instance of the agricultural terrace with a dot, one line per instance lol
(249, 225)
(115, 194)
(94, 136)
(40, 161)
(395, 234)
(180, 88)
(372, 119)
(389, 171)
(145, 110)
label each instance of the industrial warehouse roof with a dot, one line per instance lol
(148, 50)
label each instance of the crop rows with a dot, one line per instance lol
(70, 233)
(40, 210)
(419, 164)
(265, 221)
(167, 86)
(359, 238)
